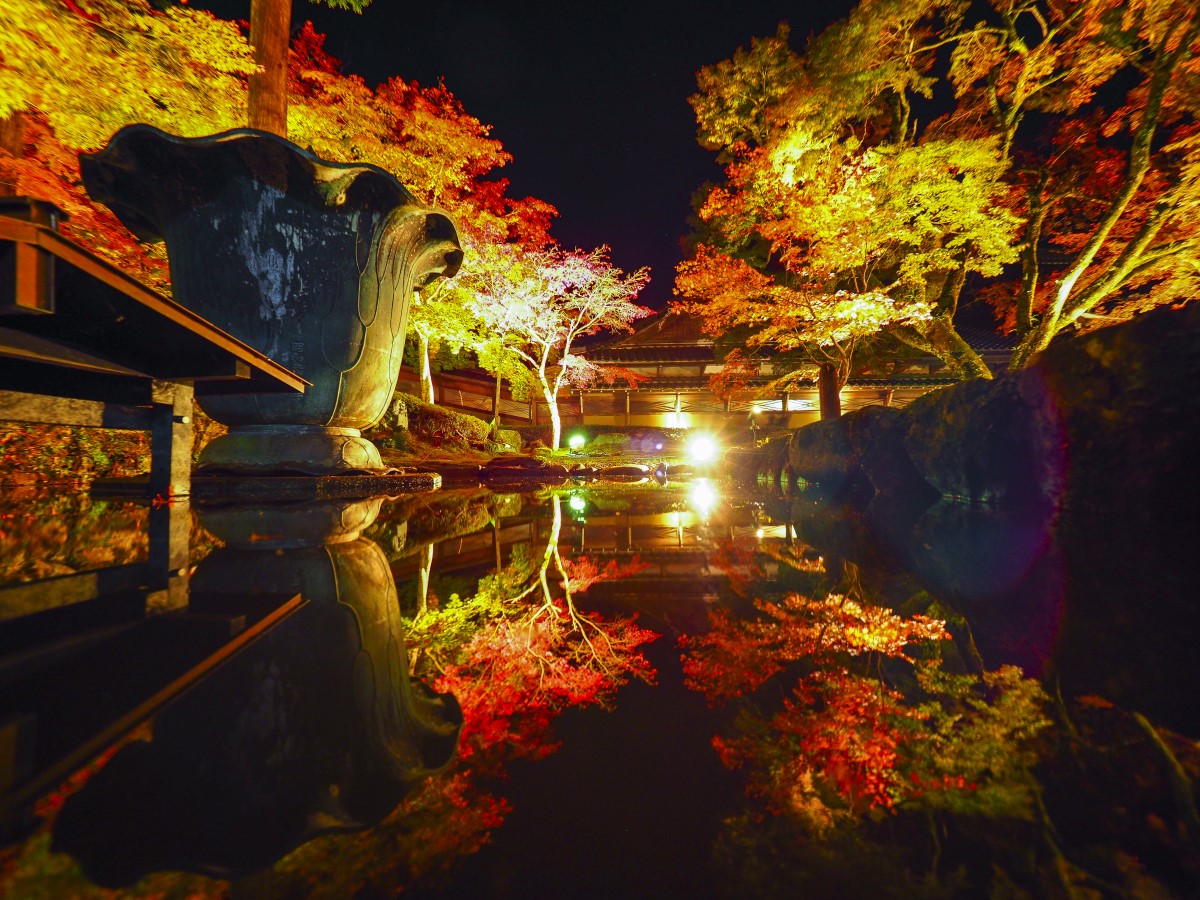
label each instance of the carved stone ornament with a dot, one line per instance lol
(312, 263)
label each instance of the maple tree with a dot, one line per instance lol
(846, 739)
(70, 76)
(917, 151)
(544, 302)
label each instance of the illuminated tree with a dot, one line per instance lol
(545, 301)
(785, 312)
(516, 655)
(70, 77)
(1071, 138)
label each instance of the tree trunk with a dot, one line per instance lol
(426, 371)
(426, 567)
(829, 391)
(12, 139)
(555, 422)
(496, 410)
(270, 30)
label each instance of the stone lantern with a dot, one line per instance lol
(310, 262)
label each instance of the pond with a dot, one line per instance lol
(698, 689)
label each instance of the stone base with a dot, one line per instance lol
(290, 449)
(231, 488)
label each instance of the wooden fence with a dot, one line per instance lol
(474, 394)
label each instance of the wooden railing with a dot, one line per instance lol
(474, 394)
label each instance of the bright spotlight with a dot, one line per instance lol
(702, 449)
(759, 533)
(576, 442)
(577, 503)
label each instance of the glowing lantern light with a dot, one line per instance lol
(577, 503)
(702, 449)
(576, 442)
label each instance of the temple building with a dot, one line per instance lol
(677, 360)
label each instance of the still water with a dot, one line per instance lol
(690, 690)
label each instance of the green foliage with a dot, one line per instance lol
(352, 5)
(736, 95)
(435, 424)
(446, 629)
(982, 733)
(59, 453)
(510, 437)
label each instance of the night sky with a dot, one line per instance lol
(590, 99)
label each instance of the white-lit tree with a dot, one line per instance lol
(543, 301)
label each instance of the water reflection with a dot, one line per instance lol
(315, 728)
(918, 700)
(885, 732)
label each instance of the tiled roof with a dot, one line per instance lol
(984, 341)
(667, 329)
(650, 354)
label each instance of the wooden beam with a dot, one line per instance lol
(24, 599)
(28, 377)
(14, 801)
(39, 409)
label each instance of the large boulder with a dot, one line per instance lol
(1099, 420)
(1128, 414)
(982, 441)
(876, 437)
(821, 453)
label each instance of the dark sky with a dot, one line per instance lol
(589, 98)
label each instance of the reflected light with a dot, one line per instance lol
(680, 519)
(704, 496)
(577, 503)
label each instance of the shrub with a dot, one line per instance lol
(437, 425)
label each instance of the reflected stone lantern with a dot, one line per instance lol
(312, 263)
(314, 728)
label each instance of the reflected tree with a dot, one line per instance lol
(516, 654)
(850, 730)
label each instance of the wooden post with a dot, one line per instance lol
(12, 139)
(581, 404)
(496, 407)
(171, 440)
(17, 735)
(627, 408)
